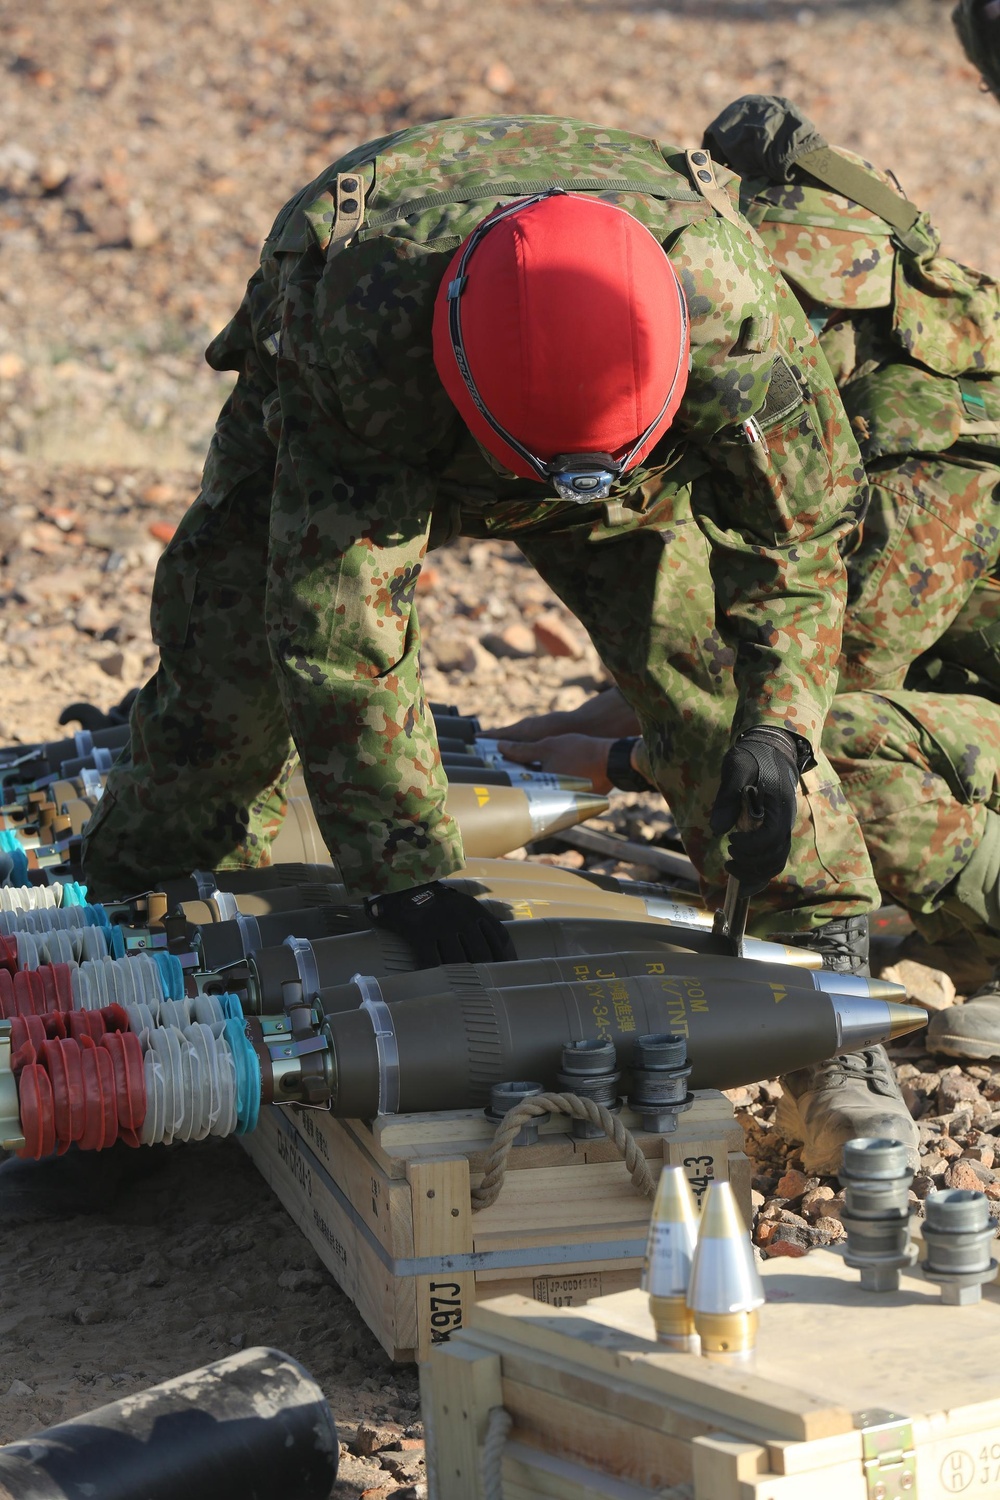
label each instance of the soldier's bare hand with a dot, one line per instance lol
(564, 755)
(606, 713)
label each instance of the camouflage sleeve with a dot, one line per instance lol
(782, 492)
(349, 530)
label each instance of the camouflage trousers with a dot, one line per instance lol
(966, 659)
(922, 772)
(202, 785)
(919, 577)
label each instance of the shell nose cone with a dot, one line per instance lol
(833, 983)
(724, 1276)
(904, 1018)
(673, 1236)
(863, 1021)
(553, 810)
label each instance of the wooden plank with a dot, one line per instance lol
(595, 1437)
(560, 1286)
(785, 1457)
(399, 1132)
(442, 1225)
(819, 1333)
(958, 1451)
(387, 1306)
(614, 1395)
(581, 1336)
(741, 1181)
(529, 1474)
(383, 1205)
(704, 1162)
(722, 1464)
(841, 1482)
(460, 1387)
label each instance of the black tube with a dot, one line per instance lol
(201, 1436)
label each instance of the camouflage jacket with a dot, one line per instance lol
(374, 464)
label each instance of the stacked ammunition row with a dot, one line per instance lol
(50, 790)
(344, 1020)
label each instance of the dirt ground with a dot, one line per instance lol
(144, 151)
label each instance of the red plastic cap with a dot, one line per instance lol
(575, 332)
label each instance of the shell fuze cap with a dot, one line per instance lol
(561, 335)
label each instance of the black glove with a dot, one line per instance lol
(759, 777)
(89, 717)
(442, 925)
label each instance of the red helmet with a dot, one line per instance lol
(561, 335)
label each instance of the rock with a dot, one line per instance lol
(835, 1206)
(828, 1231)
(370, 1439)
(923, 1183)
(402, 1466)
(89, 1313)
(816, 1201)
(982, 1152)
(302, 1280)
(555, 638)
(516, 642)
(19, 1388)
(787, 1240)
(948, 1148)
(455, 655)
(793, 1184)
(11, 366)
(498, 78)
(970, 1175)
(53, 173)
(113, 664)
(143, 229)
(918, 1091)
(741, 1098)
(93, 618)
(954, 1090)
(931, 988)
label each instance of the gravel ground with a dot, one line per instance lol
(144, 151)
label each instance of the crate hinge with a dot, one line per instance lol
(888, 1455)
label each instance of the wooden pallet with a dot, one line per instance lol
(852, 1396)
(387, 1207)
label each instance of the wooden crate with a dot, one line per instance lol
(852, 1396)
(387, 1207)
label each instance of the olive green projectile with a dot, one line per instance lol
(640, 962)
(377, 952)
(446, 1051)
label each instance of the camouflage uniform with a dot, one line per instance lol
(912, 339)
(922, 773)
(284, 606)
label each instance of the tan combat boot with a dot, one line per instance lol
(831, 1102)
(856, 1094)
(971, 1030)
